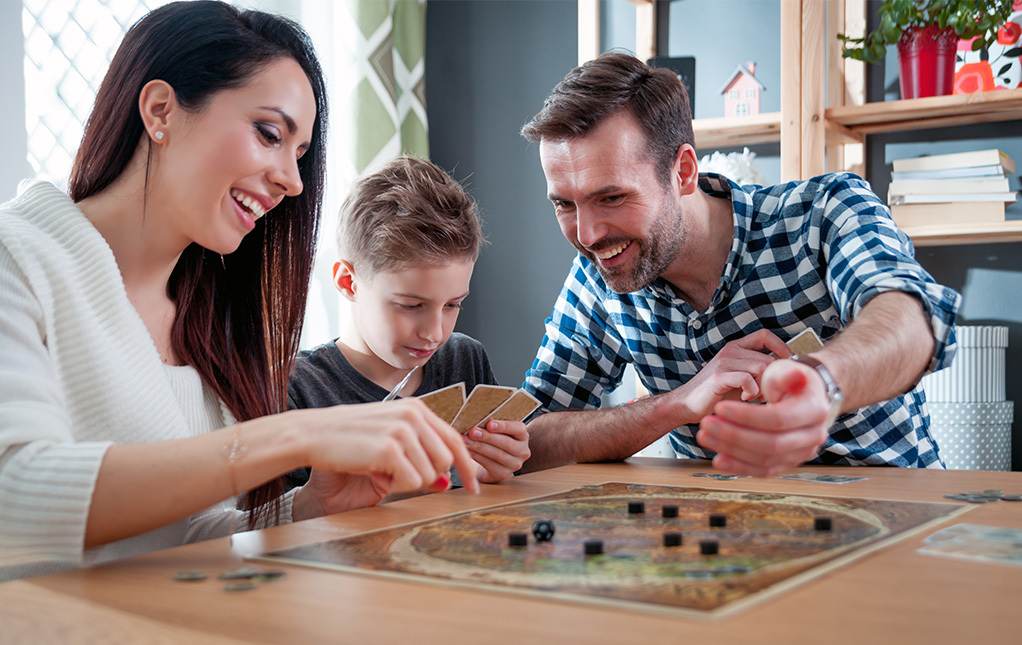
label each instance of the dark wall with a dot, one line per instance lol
(489, 65)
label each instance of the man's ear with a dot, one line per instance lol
(157, 104)
(344, 279)
(685, 172)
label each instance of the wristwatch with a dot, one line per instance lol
(834, 395)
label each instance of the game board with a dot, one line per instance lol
(769, 544)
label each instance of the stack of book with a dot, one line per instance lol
(959, 188)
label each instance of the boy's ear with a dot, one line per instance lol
(156, 103)
(344, 279)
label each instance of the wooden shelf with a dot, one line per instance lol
(1007, 231)
(730, 132)
(925, 113)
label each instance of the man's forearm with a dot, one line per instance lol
(611, 434)
(883, 352)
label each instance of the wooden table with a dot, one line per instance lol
(893, 595)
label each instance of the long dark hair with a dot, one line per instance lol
(239, 316)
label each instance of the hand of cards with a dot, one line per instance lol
(485, 403)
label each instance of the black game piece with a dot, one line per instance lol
(518, 539)
(718, 519)
(594, 547)
(636, 507)
(822, 524)
(708, 547)
(543, 530)
(672, 539)
(669, 511)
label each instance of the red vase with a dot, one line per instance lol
(926, 61)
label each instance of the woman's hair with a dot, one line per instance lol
(407, 213)
(605, 86)
(239, 316)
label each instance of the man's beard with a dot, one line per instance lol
(656, 252)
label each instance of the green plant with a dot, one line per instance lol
(978, 19)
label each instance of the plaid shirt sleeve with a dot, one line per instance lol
(866, 254)
(582, 356)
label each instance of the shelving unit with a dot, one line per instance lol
(814, 138)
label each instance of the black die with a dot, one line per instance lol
(543, 530)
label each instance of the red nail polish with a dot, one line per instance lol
(442, 483)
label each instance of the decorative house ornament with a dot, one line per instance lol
(741, 91)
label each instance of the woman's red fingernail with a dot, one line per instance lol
(442, 483)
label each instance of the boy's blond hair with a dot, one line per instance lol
(407, 212)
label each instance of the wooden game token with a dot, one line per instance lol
(708, 547)
(190, 576)
(634, 508)
(517, 539)
(718, 520)
(672, 539)
(669, 511)
(822, 524)
(593, 547)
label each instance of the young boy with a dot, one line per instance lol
(408, 239)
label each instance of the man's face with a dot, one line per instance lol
(611, 205)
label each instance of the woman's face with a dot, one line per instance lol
(230, 163)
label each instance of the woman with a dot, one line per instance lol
(161, 304)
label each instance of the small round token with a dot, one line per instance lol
(241, 573)
(669, 511)
(822, 524)
(517, 539)
(672, 539)
(240, 585)
(709, 547)
(718, 519)
(543, 530)
(1012, 497)
(271, 575)
(593, 547)
(190, 576)
(635, 508)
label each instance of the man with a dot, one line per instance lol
(698, 283)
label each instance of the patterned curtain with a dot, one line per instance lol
(387, 116)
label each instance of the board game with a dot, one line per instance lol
(768, 543)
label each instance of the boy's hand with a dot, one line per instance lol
(500, 450)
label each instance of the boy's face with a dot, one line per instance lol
(403, 317)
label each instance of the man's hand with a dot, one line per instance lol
(765, 440)
(734, 373)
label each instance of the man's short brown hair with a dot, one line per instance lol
(408, 212)
(602, 87)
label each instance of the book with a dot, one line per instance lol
(942, 186)
(988, 157)
(990, 170)
(942, 198)
(954, 213)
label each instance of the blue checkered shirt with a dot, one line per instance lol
(805, 254)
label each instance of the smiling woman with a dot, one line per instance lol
(161, 303)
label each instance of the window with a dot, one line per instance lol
(741, 108)
(732, 94)
(68, 47)
(750, 93)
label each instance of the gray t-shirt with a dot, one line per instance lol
(323, 377)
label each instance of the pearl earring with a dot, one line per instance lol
(159, 135)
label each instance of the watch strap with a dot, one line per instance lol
(834, 395)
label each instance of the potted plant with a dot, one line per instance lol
(927, 34)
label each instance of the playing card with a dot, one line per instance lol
(805, 342)
(520, 405)
(483, 400)
(445, 402)
(823, 479)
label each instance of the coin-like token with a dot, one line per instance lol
(240, 585)
(238, 574)
(190, 576)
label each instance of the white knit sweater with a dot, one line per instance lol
(79, 372)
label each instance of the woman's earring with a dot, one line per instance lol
(158, 135)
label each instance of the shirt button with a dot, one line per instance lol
(696, 324)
